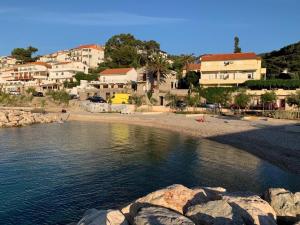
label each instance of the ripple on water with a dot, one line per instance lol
(50, 174)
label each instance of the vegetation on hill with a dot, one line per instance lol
(277, 62)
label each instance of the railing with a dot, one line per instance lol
(280, 114)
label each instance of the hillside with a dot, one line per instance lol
(286, 58)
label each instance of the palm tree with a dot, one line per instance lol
(159, 66)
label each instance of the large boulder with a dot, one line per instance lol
(103, 217)
(160, 216)
(214, 213)
(3, 117)
(285, 203)
(251, 208)
(175, 197)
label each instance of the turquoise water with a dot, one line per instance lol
(50, 174)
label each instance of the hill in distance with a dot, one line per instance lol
(285, 59)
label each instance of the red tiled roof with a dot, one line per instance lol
(121, 71)
(94, 46)
(62, 63)
(38, 63)
(193, 66)
(232, 56)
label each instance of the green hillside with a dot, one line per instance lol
(286, 58)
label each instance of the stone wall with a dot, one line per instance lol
(19, 118)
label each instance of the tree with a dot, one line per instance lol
(24, 54)
(237, 48)
(158, 66)
(242, 100)
(192, 79)
(268, 98)
(172, 99)
(217, 95)
(124, 50)
(294, 100)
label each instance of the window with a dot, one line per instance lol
(105, 86)
(120, 86)
(172, 85)
(250, 76)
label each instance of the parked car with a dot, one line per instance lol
(97, 99)
(73, 96)
(181, 104)
(178, 104)
(267, 106)
(211, 105)
(14, 93)
(38, 94)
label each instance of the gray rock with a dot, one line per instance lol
(160, 216)
(251, 208)
(214, 213)
(285, 203)
(176, 197)
(103, 217)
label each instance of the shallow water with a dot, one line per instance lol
(50, 174)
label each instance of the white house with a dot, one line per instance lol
(65, 71)
(91, 55)
(7, 61)
(118, 76)
(30, 71)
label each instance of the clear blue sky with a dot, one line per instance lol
(183, 26)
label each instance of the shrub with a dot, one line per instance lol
(272, 84)
(62, 97)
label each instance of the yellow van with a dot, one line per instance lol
(120, 99)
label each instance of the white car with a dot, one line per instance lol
(14, 93)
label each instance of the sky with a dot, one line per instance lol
(180, 26)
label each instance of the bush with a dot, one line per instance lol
(12, 100)
(136, 100)
(62, 97)
(272, 84)
(242, 100)
(220, 95)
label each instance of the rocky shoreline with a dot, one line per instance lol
(180, 205)
(20, 118)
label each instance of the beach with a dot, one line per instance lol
(275, 141)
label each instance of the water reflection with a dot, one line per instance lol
(50, 174)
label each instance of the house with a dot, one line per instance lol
(118, 76)
(191, 67)
(229, 70)
(60, 56)
(91, 55)
(113, 81)
(30, 71)
(65, 71)
(7, 62)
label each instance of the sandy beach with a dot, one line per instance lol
(269, 139)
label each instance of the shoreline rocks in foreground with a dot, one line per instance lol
(180, 205)
(20, 118)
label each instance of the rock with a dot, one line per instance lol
(3, 117)
(175, 197)
(17, 118)
(285, 203)
(214, 213)
(251, 208)
(103, 217)
(160, 216)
